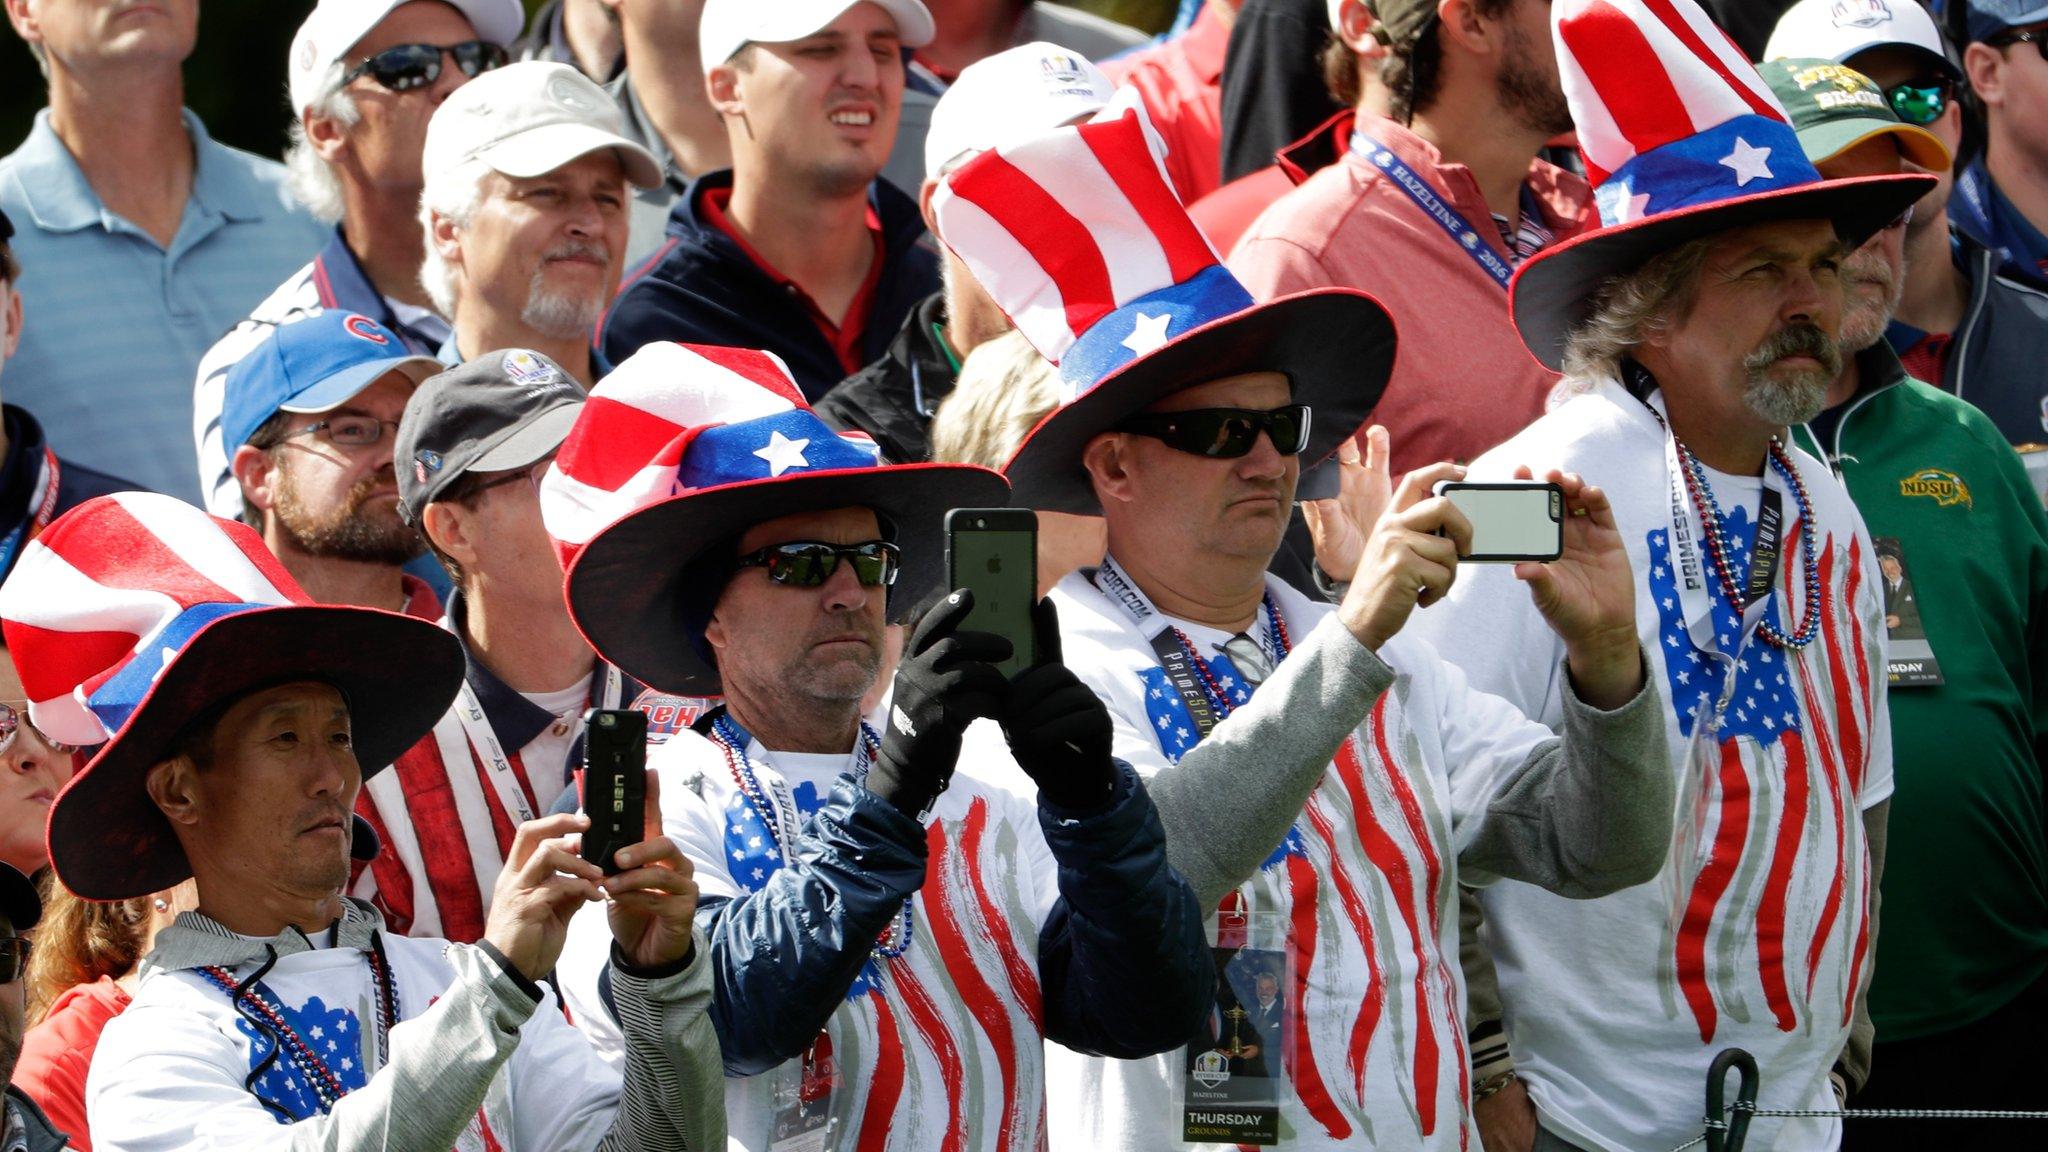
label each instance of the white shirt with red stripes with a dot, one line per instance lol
(1757, 935)
(938, 1048)
(1356, 914)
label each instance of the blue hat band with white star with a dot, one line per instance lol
(1148, 322)
(768, 447)
(1741, 157)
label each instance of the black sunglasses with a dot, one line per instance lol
(13, 958)
(809, 563)
(1225, 433)
(409, 66)
(1920, 102)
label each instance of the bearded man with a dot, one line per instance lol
(314, 411)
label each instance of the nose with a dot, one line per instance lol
(448, 81)
(861, 71)
(843, 591)
(33, 763)
(334, 771)
(1264, 461)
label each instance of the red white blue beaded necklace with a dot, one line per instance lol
(1218, 700)
(327, 1087)
(731, 741)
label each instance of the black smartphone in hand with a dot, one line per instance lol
(614, 783)
(993, 552)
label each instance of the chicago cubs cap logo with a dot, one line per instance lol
(363, 328)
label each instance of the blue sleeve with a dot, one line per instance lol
(782, 958)
(1123, 959)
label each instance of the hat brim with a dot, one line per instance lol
(1824, 142)
(1335, 346)
(350, 382)
(539, 151)
(108, 840)
(1552, 292)
(626, 587)
(528, 443)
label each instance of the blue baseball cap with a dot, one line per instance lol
(312, 365)
(1989, 19)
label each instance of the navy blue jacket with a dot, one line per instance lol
(1122, 960)
(701, 287)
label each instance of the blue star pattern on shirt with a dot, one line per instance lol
(752, 857)
(1171, 723)
(1765, 704)
(334, 1035)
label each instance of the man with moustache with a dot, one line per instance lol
(312, 412)
(1694, 326)
(799, 249)
(1943, 493)
(525, 208)
(363, 80)
(1432, 208)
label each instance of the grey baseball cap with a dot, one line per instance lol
(496, 413)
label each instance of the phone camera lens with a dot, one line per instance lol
(606, 721)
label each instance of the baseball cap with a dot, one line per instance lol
(312, 365)
(19, 900)
(528, 119)
(1400, 21)
(1834, 108)
(334, 26)
(1011, 96)
(493, 414)
(730, 25)
(1838, 29)
(1987, 19)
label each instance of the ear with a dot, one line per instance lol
(327, 136)
(447, 526)
(446, 237)
(722, 85)
(1355, 24)
(174, 786)
(11, 323)
(924, 206)
(24, 21)
(257, 474)
(1459, 22)
(1108, 469)
(1985, 66)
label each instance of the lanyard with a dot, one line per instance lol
(1433, 206)
(1204, 699)
(477, 731)
(42, 503)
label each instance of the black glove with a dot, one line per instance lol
(1057, 727)
(946, 680)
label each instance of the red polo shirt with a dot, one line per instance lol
(1181, 83)
(845, 335)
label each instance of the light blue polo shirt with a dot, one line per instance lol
(115, 325)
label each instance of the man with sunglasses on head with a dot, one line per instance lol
(896, 923)
(23, 1127)
(526, 207)
(312, 412)
(149, 238)
(471, 448)
(1326, 777)
(1962, 319)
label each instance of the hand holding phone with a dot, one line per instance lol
(614, 783)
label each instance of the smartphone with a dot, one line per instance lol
(993, 552)
(614, 783)
(1512, 521)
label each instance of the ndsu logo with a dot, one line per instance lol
(363, 328)
(1946, 489)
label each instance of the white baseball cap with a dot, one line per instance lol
(1838, 29)
(1013, 95)
(334, 27)
(529, 119)
(730, 25)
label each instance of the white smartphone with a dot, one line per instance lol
(1512, 521)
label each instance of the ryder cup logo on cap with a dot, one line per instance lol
(1860, 13)
(1079, 238)
(524, 367)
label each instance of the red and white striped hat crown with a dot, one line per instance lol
(105, 598)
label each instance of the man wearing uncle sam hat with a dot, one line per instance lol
(237, 720)
(1699, 321)
(896, 924)
(1334, 810)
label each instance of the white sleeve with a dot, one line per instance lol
(1490, 629)
(564, 1092)
(209, 392)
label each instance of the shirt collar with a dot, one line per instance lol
(19, 470)
(60, 199)
(514, 718)
(196, 940)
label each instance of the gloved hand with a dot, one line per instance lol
(947, 679)
(1057, 727)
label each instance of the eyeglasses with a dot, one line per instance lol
(13, 958)
(2037, 37)
(533, 474)
(1901, 220)
(1225, 433)
(809, 563)
(1920, 102)
(12, 720)
(348, 431)
(409, 66)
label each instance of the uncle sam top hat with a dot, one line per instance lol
(1077, 235)
(1682, 139)
(681, 449)
(133, 614)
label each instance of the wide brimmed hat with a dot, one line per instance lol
(683, 448)
(132, 615)
(1077, 235)
(1682, 140)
